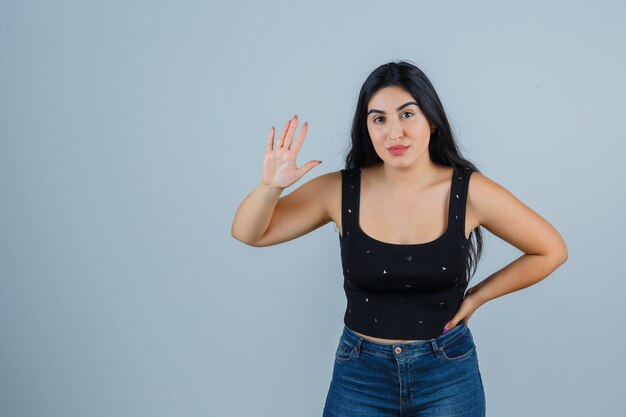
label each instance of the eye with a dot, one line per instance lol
(406, 112)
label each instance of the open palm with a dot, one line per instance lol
(279, 162)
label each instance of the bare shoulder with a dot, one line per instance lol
(498, 210)
(485, 196)
(330, 189)
(327, 191)
(321, 191)
(485, 193)
(327, 186)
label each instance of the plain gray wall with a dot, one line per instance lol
(131, 131)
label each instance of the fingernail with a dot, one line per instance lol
(295, 115)
(445, 330)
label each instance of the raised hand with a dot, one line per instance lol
(279, 162)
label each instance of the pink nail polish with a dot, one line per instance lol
(445, 330)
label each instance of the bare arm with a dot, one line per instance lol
(500, 212)
(270, 220)
(263, 210)
(255, 213)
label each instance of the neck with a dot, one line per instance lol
(419, 174)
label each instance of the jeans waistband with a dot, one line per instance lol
(409, 348)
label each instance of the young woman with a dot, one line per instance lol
(406, 206)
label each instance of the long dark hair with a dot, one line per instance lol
(442, 147)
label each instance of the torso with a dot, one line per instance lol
(404, 226)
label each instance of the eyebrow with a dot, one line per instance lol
(398, 109)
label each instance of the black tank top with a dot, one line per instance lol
(397, 291)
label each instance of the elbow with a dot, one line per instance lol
(233, 233)
(564, 256)
(561, 255)
(236, 236)
(555, 257)
(246, 242)
(564, 252)
(558, 257)
(254, 244)
(560, 252)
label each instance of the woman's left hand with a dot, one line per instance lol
(469, 305)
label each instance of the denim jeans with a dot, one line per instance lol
(435, 378)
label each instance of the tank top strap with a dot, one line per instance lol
(458, 203)
(349, 200)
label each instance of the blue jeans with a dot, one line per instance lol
(435, 378)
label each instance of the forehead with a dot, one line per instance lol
(389, 97)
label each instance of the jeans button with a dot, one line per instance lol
(398, 349)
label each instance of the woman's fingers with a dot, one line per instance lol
(287, 135)
(307, 167)
(280, 140)
(298, 144)
(270, 140)
(283, 134)
(290, 132)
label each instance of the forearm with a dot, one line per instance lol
(255, 213)
(521, 273)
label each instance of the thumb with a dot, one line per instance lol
(308, 166)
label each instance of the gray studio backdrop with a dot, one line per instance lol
(131, 131)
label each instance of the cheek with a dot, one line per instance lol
(376, 135)
(373, 136)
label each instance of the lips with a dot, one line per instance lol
(398, 150)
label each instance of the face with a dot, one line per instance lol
(394, 119)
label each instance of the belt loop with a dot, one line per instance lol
(357, 346)
(436, 348)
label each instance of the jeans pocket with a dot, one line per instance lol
(458, 349)
(344, 351)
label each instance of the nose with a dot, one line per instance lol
(395, 130)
